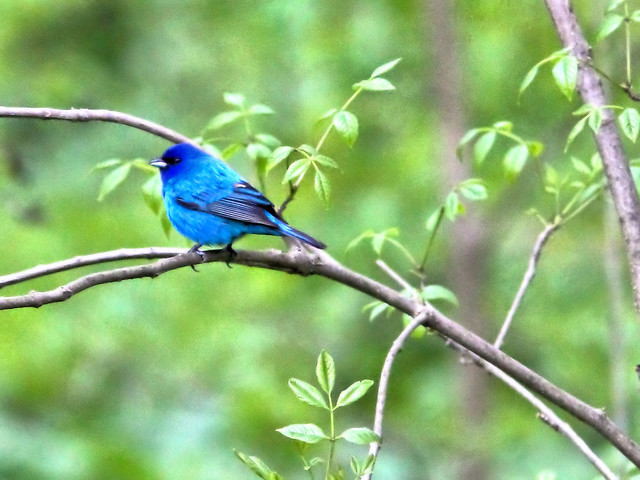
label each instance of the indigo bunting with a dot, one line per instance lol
(210, 203)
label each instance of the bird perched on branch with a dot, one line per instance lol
(210, 203)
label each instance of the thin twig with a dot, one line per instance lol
(85, 260)
(545, 413)
(395, 277)
(526, 280)
(397, 345)
(90, 115)
(299, 262)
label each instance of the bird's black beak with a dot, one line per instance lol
(158, 162)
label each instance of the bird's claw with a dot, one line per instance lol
(231, 252)
(196, 249)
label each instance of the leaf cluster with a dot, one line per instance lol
(306, 434)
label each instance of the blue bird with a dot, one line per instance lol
(210, 203)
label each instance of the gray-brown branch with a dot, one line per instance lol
(609, 144)
(90, 115)
(320, 263)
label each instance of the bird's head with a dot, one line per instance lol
(177, 158)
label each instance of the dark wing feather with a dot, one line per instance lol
(244, 204)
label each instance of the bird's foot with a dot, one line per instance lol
(196, 249)
(231, 252)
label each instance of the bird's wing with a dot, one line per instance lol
(243, 204)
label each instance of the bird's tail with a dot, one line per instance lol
(292, 232)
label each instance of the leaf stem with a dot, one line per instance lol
(332, 438)
(627, 35)
(330, 127)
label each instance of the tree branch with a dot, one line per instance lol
(397, 345)
(89, 115)
(299, 262)
(616, 166)
(85, 260)
(526, 280)
(545, 413)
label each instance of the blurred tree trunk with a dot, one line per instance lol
(466, 263)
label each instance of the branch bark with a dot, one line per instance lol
(542, 239)
(89, 115)
(299, 262)
(609, 144)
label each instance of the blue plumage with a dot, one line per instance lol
(210, 203)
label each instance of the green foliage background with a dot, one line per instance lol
(161, 378)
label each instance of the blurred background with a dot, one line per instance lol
(163, 378)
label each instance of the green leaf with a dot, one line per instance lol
(268, 140)
(613, 5)
(308, 149)
(580, 166)
(550, 176)
(473, 189)
(360, 435)
(374, 85)
(610, 24)
(222, 119)
(575, 131)
(596, 162)
(565, 73)
(353, 392)
(382, 69)
(418, 332)
(326, 372)
(466, 138)
(355, 466)
(353, 243)
(258, 150)
(152, 193)
(278, 155)
(635, 16)
(307, 393)
(369, 463)
(515, 160)
(260, 109)
(322, 186)
(297, 169)
(434, 219)
(438, 292)
(231, 150)
(629, 121)
(305, 432)
(452, 206)
(504, 125)
(528, 78)
(378, 239)
(535, 148)
(483, 145)
(346, 124)
(583, 110)
(324, 161)
(234, 99)
(595, 120)
(256, 465)
(112, 179)
(590, 191)
(142, 164)
(106, 164)
(377, 308)
(212, 150)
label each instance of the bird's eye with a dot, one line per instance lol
(172, 160)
